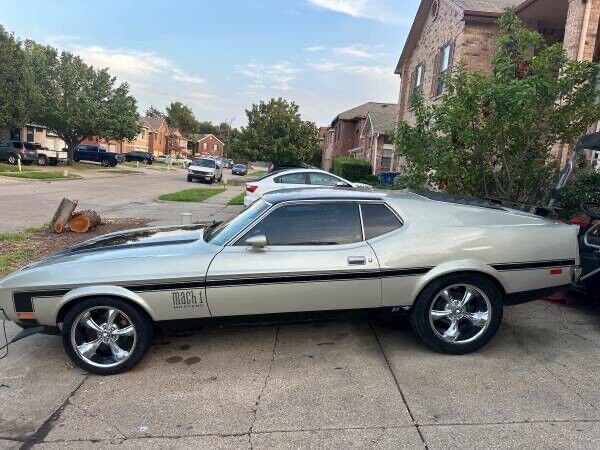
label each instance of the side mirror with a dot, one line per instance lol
(257, 242)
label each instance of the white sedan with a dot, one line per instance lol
(295, 178)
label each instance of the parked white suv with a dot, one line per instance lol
(295, 178)
(205, 169)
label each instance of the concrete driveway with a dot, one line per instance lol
(29, 203)
(345, 384)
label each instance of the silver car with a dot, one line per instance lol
(451, 263)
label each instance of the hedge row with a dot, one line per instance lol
(352, 169)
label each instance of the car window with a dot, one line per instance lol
(323, 179)
(378, 220)
(204, 162)
(222, 232)
(17, 144)
(292, 178)
(29, 146)
(310, 224)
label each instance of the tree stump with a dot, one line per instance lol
(84, 221)
(62, 215)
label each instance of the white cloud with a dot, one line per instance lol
(363, 70)
(315, 48)
(269, 76)
(380, 10)
(358, 51)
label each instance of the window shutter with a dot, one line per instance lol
(451, 58)
(436, 73)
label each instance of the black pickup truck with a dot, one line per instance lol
(96, 153)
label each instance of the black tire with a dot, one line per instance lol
(42, 160)
(12, 159)
(76, 159)
(425, 330)
(53, 162)
(113, 164)
(140, 321)
(190, 179)
(105, 163)
(211, 180)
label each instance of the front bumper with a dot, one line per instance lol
(201, 176)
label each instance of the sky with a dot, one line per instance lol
(219, 57)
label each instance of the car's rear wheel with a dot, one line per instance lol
(12, 159)
(458, 313)
(42, 160)
(105, 335)
(190, 179)
(105, 162)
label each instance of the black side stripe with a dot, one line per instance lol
(534, 265)
(23, 301)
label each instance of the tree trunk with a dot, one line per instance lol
(84, 221)
(62, 215)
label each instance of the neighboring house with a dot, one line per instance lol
(140, 142)
(209, 144)
(34, 133)
(446, 32)
(176, 142)
(377, 135)
(345, 132)
(157, 134)
(110, 145)
(323, 135)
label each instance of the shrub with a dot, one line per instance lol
(352, 169)
(585, 187)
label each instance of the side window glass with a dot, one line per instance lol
(17, 144)
(322, 179)
(378, 220)
(310, 224)
(292, 178)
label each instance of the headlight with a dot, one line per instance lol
(190, 171)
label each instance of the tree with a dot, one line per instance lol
(155, 112)
(207, 127)
(492, 135)
(276, 132)
(16, 88)
(181, 116)
(78, 100)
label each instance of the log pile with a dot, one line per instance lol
(66, 219)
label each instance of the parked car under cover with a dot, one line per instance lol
(139, 156)
(452, 266)
(293, 179)
(239, 169)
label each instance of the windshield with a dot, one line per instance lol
(221, 233)
(202, 162)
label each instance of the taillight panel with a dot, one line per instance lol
(251, 188)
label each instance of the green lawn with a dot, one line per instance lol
(10, 168)
(237, 200)
(191, 195)
(20, 251)
(38, 175)
(14, 236)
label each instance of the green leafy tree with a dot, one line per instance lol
(79, 101)
(492, 135)
(207, 127)
(155, 112)
(276, 132)
(16, 88)
(182, 117)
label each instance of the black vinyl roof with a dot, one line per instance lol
(286, 195)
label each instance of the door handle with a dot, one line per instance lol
(357, 260)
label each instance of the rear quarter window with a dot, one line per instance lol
(378, 219)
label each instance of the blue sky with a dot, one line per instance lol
(219, 57)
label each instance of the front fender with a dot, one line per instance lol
(47, 311)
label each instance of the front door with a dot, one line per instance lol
(315, 259)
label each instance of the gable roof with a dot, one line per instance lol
(205, 136)
(489, 8)
(382, 121)
(361, 111)
(154, 123)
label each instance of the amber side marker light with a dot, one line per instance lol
(26, 315)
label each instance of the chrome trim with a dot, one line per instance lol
(586, 240)
(591, 274)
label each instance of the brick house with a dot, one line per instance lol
(157, 134)
(177, 144)
(140, 142)
(345, 132)
(377, 135)
(34, 133)
(209, 144)
(446, 32)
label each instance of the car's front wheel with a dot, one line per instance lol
(105, 335)
(458, 313)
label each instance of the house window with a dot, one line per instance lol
(443, 64)
(30, 134)
(204, 146)
(418, 79)
(386, 160)
(143, 134)
(214, 147)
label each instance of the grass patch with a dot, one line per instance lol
(38, 175)
(10, 168)
(257, 173)
(191, 195)
(14, 236)
(15, 259)
(237, 200)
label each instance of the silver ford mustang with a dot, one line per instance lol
(451, 263)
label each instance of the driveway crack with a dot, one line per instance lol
(389, 366)
(258, 399)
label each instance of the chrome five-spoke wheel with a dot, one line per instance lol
(106, 335)
(460, 313)
(103, 336)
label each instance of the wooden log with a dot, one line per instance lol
(62, 215)
(84, 221)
